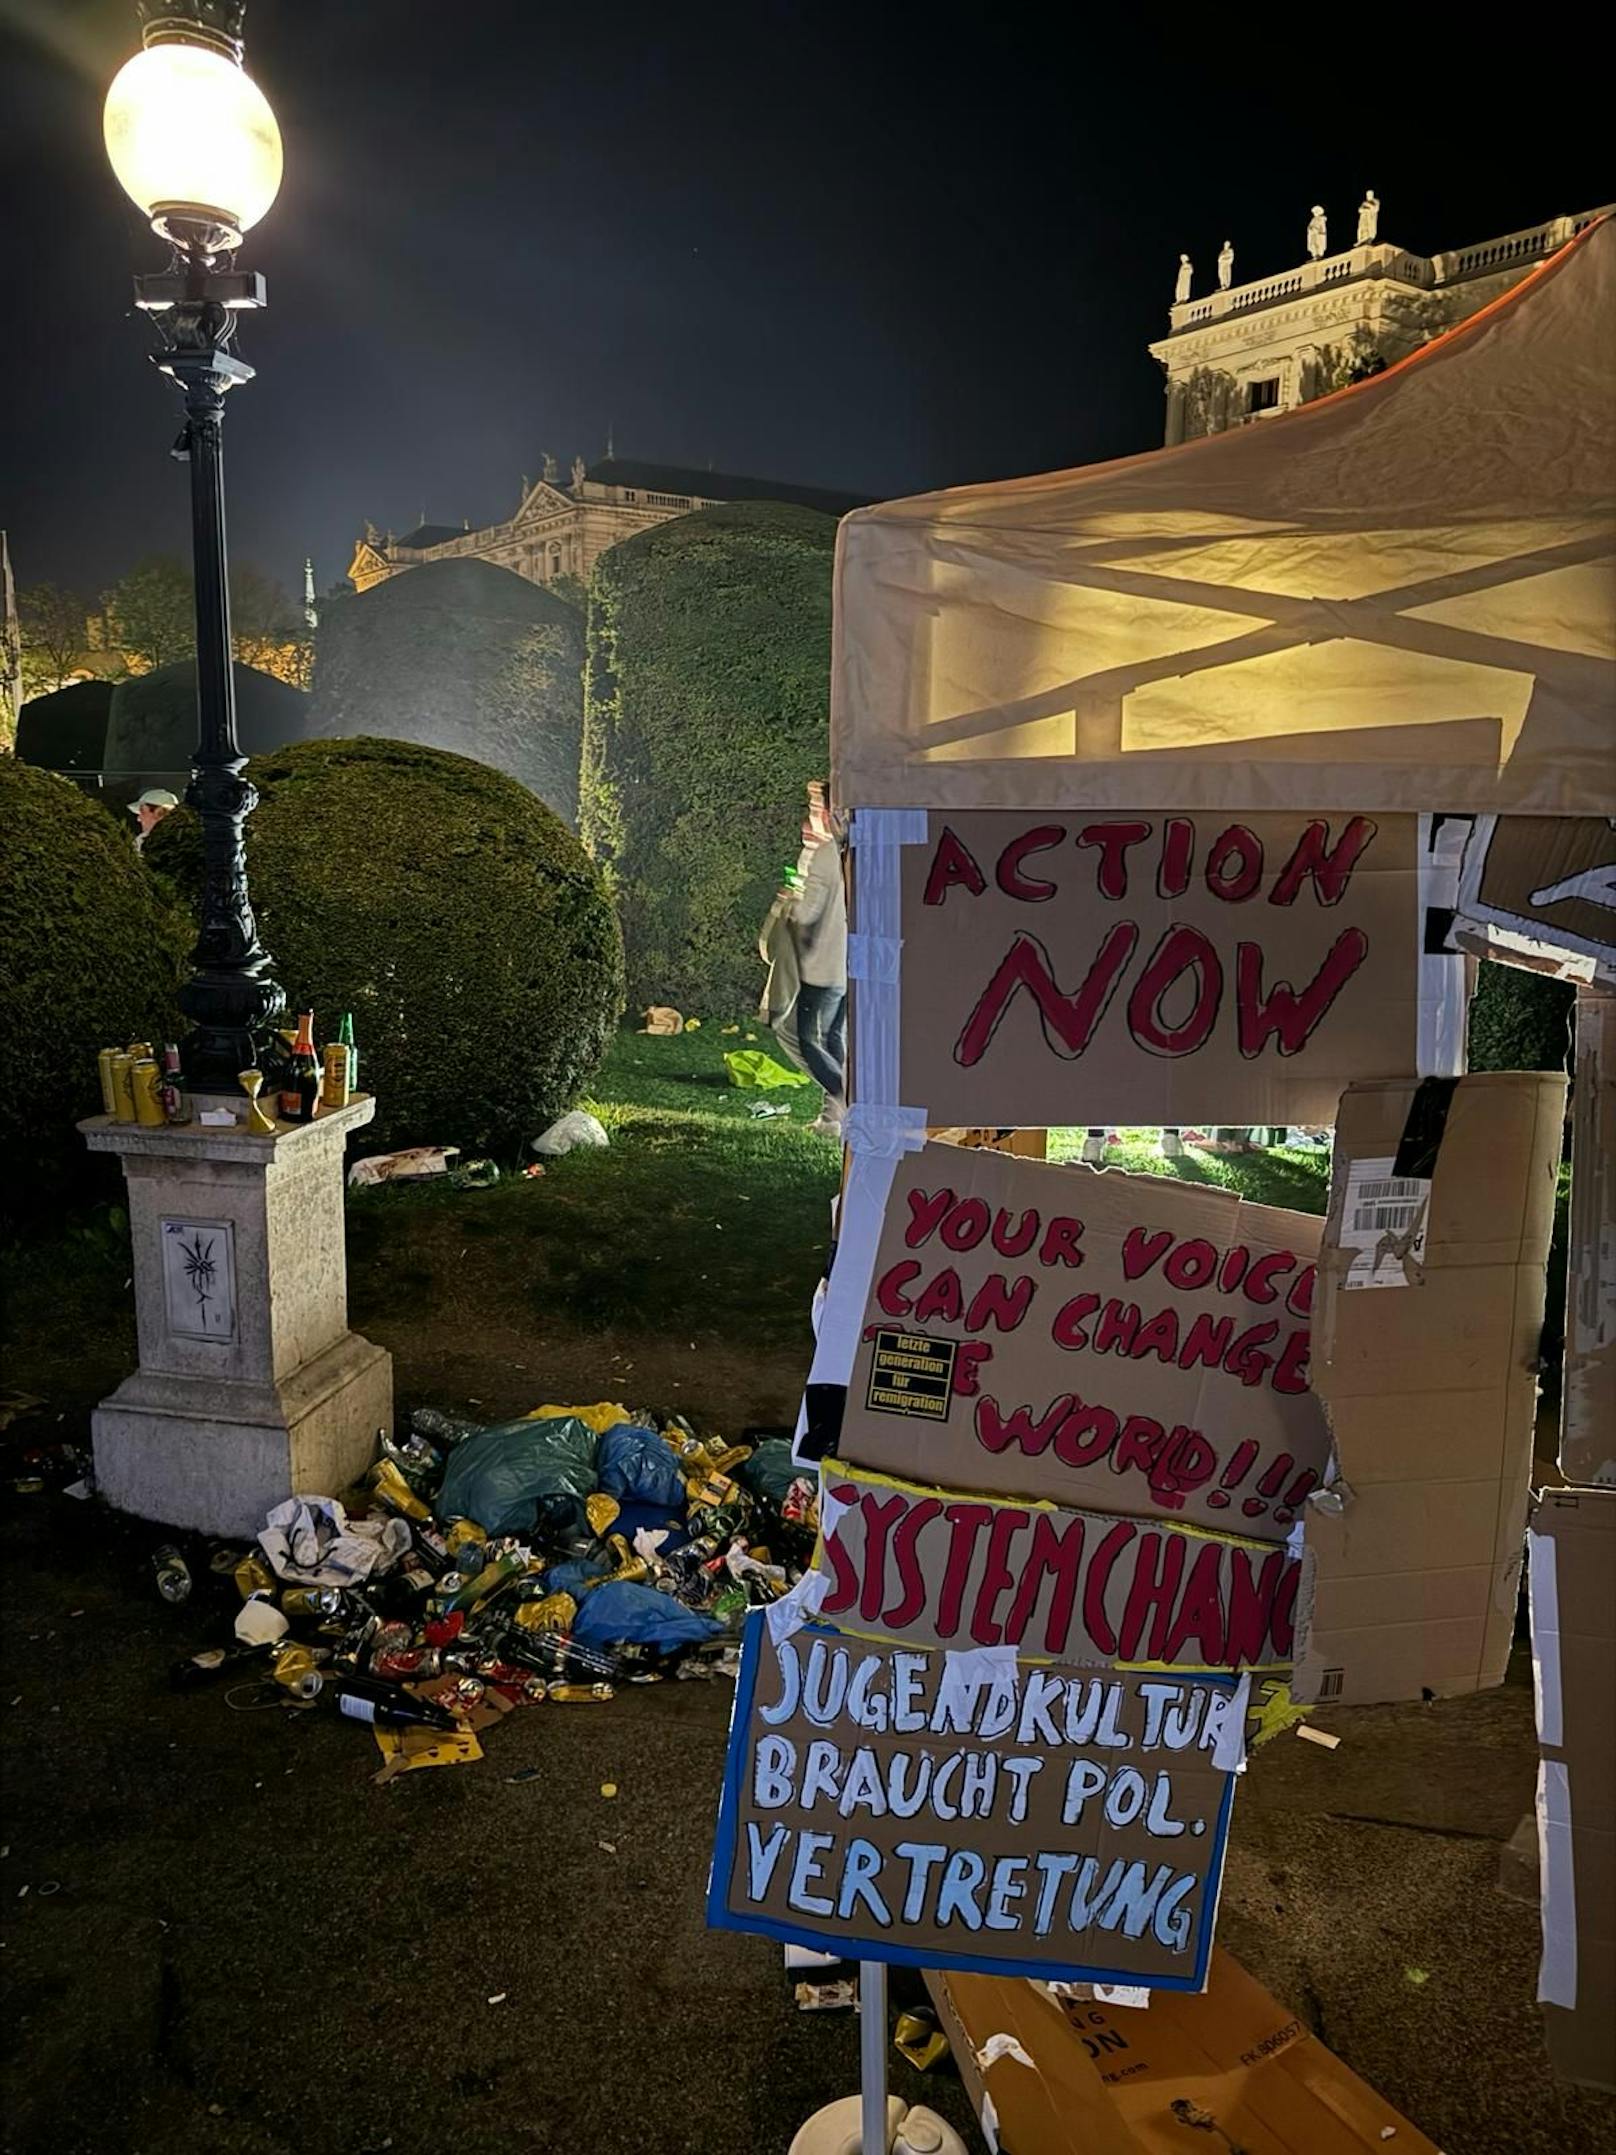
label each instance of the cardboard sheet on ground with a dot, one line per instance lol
(1229, 2069)
(930, 1568)
(1573, 1596)
(1396, 595)
(1545, 887)
(1125, 1342)
(1146, 968)
(1035, 1821)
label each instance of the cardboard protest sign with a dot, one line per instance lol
(1148, 968)
(930, 1568)
(1122, 1341)
(918, 1809)
(1545, 886)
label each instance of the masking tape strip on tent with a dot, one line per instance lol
(873, 953)
(877, 1139)
(1441, 1045)
(1544, 1601)
(1557, 1971)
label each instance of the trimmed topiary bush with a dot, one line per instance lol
(90, 954)
(152, 728)
(66, 730)
(450, 911)
(1519, 1020)
(705, 716)
(461, 655)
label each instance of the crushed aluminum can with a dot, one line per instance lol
(172, 1574)
(406, 1664)
(253, 1576)
(463, 1696)
(576, 1694)
(555, 1612)
(320, 1602)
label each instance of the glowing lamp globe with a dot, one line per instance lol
(193, 143)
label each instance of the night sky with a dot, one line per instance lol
(881, 247)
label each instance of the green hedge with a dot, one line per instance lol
(450, 911)
(90, 952)
(152, 726)
(1519, 1020)
(460, 655)
(66, 730)
(705, 715)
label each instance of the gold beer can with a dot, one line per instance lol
(334, 1075)
(109, 1097)
(147, 1082)
(123, 1086)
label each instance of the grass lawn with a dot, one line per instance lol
(674, 1268)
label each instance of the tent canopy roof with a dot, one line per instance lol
(1401, 596)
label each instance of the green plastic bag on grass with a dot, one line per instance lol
(750, 1067)
(523, 1477)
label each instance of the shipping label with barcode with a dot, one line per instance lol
(1383, 1223)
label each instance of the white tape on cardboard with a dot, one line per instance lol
(1543, 1595)
(1557, 1971)
(966, 1670)
(1226, 1713)
(874, 958)
(1003, 2046)
(877, 833)
(1441, 1045)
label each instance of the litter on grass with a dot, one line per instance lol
(568, 1133)
(487, 1568)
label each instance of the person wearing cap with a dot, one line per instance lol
(150, 809)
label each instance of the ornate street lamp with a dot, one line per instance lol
(194, 144)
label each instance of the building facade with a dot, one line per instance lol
(1242, 352)
(561, 531)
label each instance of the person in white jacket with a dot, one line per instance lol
(819, 927)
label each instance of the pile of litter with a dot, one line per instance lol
(497, 1566)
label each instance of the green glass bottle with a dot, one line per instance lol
(345, 1039)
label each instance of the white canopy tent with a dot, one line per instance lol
(1399, 597)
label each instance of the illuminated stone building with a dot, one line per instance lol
(1242, 352)
(561, 531)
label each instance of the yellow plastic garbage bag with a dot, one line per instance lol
(607, 1415)
(750, 1067)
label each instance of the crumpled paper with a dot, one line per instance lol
(311, 1541)
(410, 1165)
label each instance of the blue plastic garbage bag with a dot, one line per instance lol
(518, 1477)
(568, 1577)
(639, 1613)
(636, 1467)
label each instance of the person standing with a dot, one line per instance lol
(819, 926)
(155, 803)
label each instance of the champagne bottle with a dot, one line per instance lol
(301, 1090)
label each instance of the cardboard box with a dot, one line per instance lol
(1573, 1580)
(1588, 1395)
(1425, 1350)
(1230, 2068)
(1539, 892)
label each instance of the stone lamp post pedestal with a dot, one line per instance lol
(250, 1388)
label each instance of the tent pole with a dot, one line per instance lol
(873, 2055)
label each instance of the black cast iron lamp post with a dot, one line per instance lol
(194, 144)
